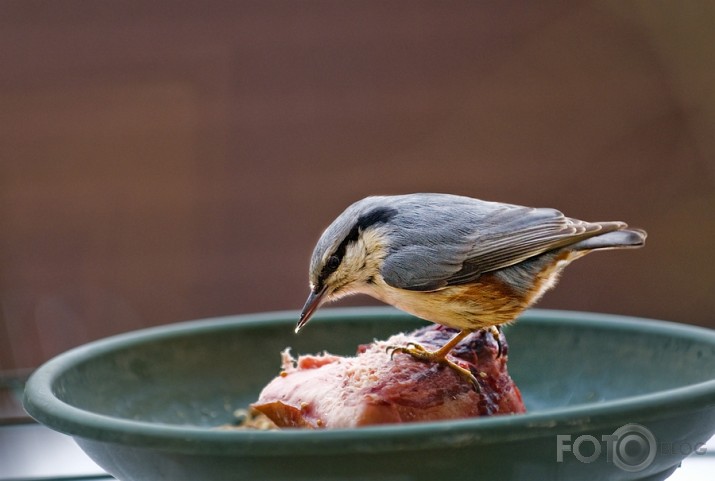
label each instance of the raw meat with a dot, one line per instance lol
(328, 391)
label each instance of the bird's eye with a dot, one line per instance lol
(333, 262)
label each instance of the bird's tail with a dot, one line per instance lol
(617, 236)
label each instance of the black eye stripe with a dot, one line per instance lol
(375, 216)
(378, 215)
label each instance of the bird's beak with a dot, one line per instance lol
(311, 305)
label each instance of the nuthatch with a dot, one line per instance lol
(464, 263)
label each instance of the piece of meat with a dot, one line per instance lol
(328, 391)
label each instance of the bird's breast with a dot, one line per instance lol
(476, 305)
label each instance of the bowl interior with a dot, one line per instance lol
(198, 373)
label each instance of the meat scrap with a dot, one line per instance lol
(328, 391)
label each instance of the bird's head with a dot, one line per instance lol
(349, 253)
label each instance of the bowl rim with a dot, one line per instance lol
(41, 403)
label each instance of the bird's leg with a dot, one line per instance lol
(439, 356)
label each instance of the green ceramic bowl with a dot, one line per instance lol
(609, 397)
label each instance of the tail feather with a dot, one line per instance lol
(623, 238)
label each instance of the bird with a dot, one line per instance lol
(453, 260)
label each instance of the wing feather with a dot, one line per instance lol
(452, 241)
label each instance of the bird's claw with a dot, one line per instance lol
(419, 353)
(411, 348)
(496, 334)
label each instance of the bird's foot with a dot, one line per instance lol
(419, 353)
(496, 334)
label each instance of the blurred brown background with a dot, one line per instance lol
(164, 161)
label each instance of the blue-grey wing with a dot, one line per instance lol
(448, 243)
